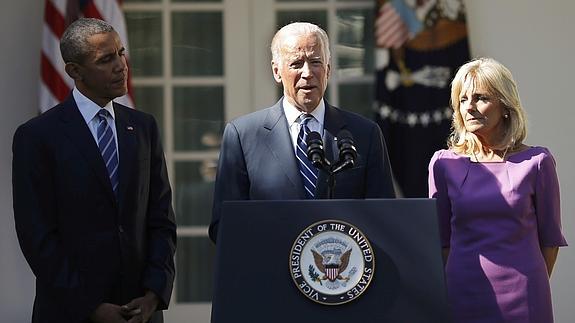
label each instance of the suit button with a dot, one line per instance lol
(121, 229)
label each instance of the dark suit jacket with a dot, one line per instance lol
(257, 160)
(84, 246)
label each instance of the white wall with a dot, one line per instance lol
(533, 38)
(20, 26)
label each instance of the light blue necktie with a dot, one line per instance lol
(306, 169)
(107, 145)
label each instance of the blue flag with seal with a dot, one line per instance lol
(419, 46)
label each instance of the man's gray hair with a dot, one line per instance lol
(299, 28)
(74, 44)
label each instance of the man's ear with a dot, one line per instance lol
(328, 70)
(74, 71)
(275, 70)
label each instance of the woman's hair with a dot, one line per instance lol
(299, 28)
(496, 79)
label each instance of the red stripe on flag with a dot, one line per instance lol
(54, 19)
(90, 11)
(53, 80)
(390, 30)
(394, 32)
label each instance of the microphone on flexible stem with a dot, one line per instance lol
(347, 151)
(315, 151)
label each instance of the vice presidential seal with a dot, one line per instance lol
(332, 262)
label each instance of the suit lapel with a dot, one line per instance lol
(79, 134)
(333, 123)
(126, 132)
(279, 143)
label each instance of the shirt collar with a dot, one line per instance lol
(292, 113)
(88, 108)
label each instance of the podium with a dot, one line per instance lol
(254, 281)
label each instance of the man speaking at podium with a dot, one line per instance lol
(264, 154)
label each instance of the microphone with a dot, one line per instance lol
(347, 151)
(315, 151)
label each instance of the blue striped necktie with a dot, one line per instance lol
(306, 169)
(107, 145)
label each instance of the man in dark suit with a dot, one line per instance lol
(259, 158)
(92, 201)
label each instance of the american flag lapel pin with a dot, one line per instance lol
(130, 128)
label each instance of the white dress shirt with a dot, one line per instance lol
(292, 115)
(89, 111)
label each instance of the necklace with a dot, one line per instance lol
(492, 154)
(505, 153)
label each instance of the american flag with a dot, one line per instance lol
(55, 84)
(390, 30)
(397, 22)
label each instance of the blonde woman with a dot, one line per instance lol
(498, 203)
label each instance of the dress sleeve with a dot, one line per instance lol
(438, 190)
(547, 203)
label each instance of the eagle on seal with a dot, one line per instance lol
(331, 264)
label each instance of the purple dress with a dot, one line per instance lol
(495, 217)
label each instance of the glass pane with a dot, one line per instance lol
(150, 99)
(198, 117)
(194, 270)
(145, 42)
(318, 17)
(355, 42)
(357, 98)
(197, 41)
(194, 191)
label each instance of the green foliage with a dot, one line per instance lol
(314, 275)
